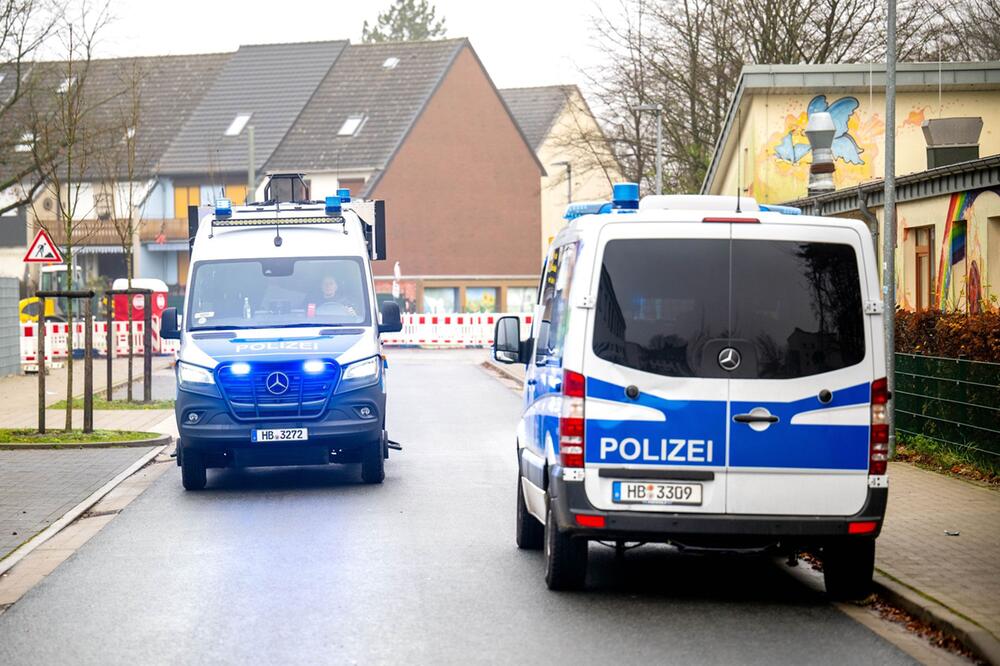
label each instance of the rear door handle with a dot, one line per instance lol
(755, 418)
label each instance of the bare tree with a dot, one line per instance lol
(65, 140)
(686, 55)
(24, 27)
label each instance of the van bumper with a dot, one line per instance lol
(568, 500)
(352, 421)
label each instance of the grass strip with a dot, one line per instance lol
(103, 403)
(941, 457)
(31, 436)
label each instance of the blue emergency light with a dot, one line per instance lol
(223, 208)
(776, 208)
(344, 194)
(625, 196)
(575, 210)
(333, 205)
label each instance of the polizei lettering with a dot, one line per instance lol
(664, 451)
(284, 345)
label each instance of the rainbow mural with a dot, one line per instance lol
(953, 247)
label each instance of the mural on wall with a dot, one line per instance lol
(782, 162)
(961, 256)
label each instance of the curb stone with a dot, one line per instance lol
(161, 440)
(978, 640)
(22, 551)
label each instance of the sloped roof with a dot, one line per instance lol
(536, 109)
(389, 98)
(272, 82)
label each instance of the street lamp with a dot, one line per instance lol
(569, 179)
(658, 110)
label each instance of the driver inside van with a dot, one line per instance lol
(328, 296)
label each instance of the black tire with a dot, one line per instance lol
(565, 557)
(530, 533)
(848, 567)
(373, 461)
(193, 473)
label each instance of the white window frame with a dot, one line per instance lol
(239, 123)
(352, 125)
(390, 62)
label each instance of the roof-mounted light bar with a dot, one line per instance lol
(275, 221)
(580, 208)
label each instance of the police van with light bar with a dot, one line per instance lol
(280, 361)
(704, 372)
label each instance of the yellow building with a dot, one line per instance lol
(948, 193)
(570, 145)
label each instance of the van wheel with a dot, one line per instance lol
(530, 534)
(565, 557)
(193, 473)
(848, 567)
(373, 462)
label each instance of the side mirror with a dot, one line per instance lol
(169, 330)
(392, 321)
(507, 340)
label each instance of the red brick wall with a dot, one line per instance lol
(463, 192)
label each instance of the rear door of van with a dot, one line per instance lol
(656, 401)
(800, 394)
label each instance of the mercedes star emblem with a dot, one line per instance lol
(729, 359)
(277, 382)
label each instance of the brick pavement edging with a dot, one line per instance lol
(24, 549)
(160, 440)
(977, 639)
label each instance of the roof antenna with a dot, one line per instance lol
(739, 131)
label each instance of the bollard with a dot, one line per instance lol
(111, 342)
(41, 366)
(88, 366)
(147, 347)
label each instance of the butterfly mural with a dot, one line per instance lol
(844, 146)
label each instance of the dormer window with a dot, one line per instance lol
(239, 122)
(390, 63)
(352, 125)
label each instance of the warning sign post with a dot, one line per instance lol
(42, 250)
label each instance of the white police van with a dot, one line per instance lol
(280, 361)
(707, 373)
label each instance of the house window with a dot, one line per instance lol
(102, 205)
(130, 134)
(924, 263)
(352, 125)
(390, 63)
(480, 299)
(520, 299)
(27, 141)
(991, 290)
(66, 85)
(441, 300)
(239, 122)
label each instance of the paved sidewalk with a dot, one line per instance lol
(20, 392)
(959, 572)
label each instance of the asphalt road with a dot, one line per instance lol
(308, 565)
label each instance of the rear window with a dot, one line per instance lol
(668, 306)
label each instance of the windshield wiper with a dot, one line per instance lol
(221, 328)
(312, 325)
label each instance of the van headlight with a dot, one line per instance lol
(193, 375)
(360, 374)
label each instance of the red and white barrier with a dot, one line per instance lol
(57, 339)
(447, 330)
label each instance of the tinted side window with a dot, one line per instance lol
(799, 305)
(555, 316)
(660, 301)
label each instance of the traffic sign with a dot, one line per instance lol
(43, 250)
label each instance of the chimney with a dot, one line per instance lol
(820, 131)
(952, 140)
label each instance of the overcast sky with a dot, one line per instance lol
(521, 42)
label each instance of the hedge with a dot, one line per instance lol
(975, 337)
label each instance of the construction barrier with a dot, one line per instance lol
(57, 337)
(448, 330)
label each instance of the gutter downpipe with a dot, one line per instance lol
(867, 215)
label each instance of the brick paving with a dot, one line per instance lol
(38, 487)
(961, 572)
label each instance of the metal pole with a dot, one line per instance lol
(88, 366)
(251, 167)
(569, 183)
(147, 347)
(41, 365)
(889, 216)
(111, 341)
(659, 150)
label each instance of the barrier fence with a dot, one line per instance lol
(448, 330)
(953, 401)
(57, 340)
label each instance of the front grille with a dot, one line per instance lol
(249, 398)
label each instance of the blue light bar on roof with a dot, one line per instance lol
(625, 196)
(575, 210)
(333, 205)
(223, 207)
(784, 210)
(344, 194)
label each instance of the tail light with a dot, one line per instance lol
(571, 420)
(879, 446)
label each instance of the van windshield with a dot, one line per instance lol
(669, 306)
(281, 292)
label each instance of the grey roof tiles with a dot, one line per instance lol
(536, 109)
